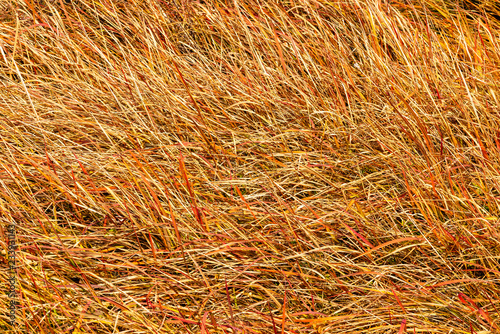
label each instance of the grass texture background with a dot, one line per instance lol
(244, 166)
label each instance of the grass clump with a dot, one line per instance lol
(301, 166)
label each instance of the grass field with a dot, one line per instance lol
(245, 166)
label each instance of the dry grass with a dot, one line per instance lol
(301, 166)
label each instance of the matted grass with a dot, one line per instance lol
(245, 166)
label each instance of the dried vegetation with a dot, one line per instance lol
(299, 166)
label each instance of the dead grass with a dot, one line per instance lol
(301, 166)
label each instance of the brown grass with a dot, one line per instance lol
(299, 166)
